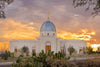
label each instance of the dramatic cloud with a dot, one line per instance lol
(11, 29)
(25, 17)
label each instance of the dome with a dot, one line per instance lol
(48, 26)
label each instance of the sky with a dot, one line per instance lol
(25, 17)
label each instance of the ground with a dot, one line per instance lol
(10, 59)
(74, 58)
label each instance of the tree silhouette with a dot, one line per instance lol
(2, 7)
(71, 50)
(90, 4)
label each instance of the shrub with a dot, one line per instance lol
(19, 60)
(25, 49)
(89, 50)
(42, 60)
(12, 54)
(71, 50)
(89, 63)
(14, 65)
(5, 55)
(8, 53)
(59, 63)
(33, 54)
(84, 50)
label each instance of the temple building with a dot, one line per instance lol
(48, 40)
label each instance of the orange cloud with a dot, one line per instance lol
(11, 29)
(83, 34)
(4, 46)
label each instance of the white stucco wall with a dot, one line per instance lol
(21, 43)
(40, 43)
(43, 40)
(77, 44)
(47, 36)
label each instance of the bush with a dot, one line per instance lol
(5, 55)
(25, 49)
(71, 50)
(89, 50)
(90, 63)
(8, 53)
(42, 60)
(19, 60)
(12, 54)
(33, 54)
(59, 63)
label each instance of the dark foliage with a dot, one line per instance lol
(89, 50)
(91, 4)
(5, 55)
(71, 50)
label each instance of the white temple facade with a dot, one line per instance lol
(48, 40)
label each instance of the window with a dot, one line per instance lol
(48, 34)
(53, 33)
(15, 49)
(42, 34)
(33, 52)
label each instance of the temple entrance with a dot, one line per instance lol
(15, 49)
(48, 48)
(33, 52)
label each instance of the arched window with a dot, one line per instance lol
(53, 34)
(33, 52)
(48, 34)
(15, 49)
(42, 34)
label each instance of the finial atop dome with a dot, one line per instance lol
(48, 16)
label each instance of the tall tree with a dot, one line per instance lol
(90, 4)
(2, 7)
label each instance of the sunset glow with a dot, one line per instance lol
(24, 19)
(23, 31)
(95, 46)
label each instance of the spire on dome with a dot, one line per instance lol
(48, 16)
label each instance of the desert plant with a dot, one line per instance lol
(58, 62)
(33, 54)
(84, 50)
(58, 55)
(89, 63)
(14, 65)
(19, 60)
(12, 54)
(89, 50)
(5, 55)
(41, 60)
(71, 50)
(25, 49)
(8, 53)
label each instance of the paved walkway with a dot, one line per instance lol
(79, 59)
(6, 63)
